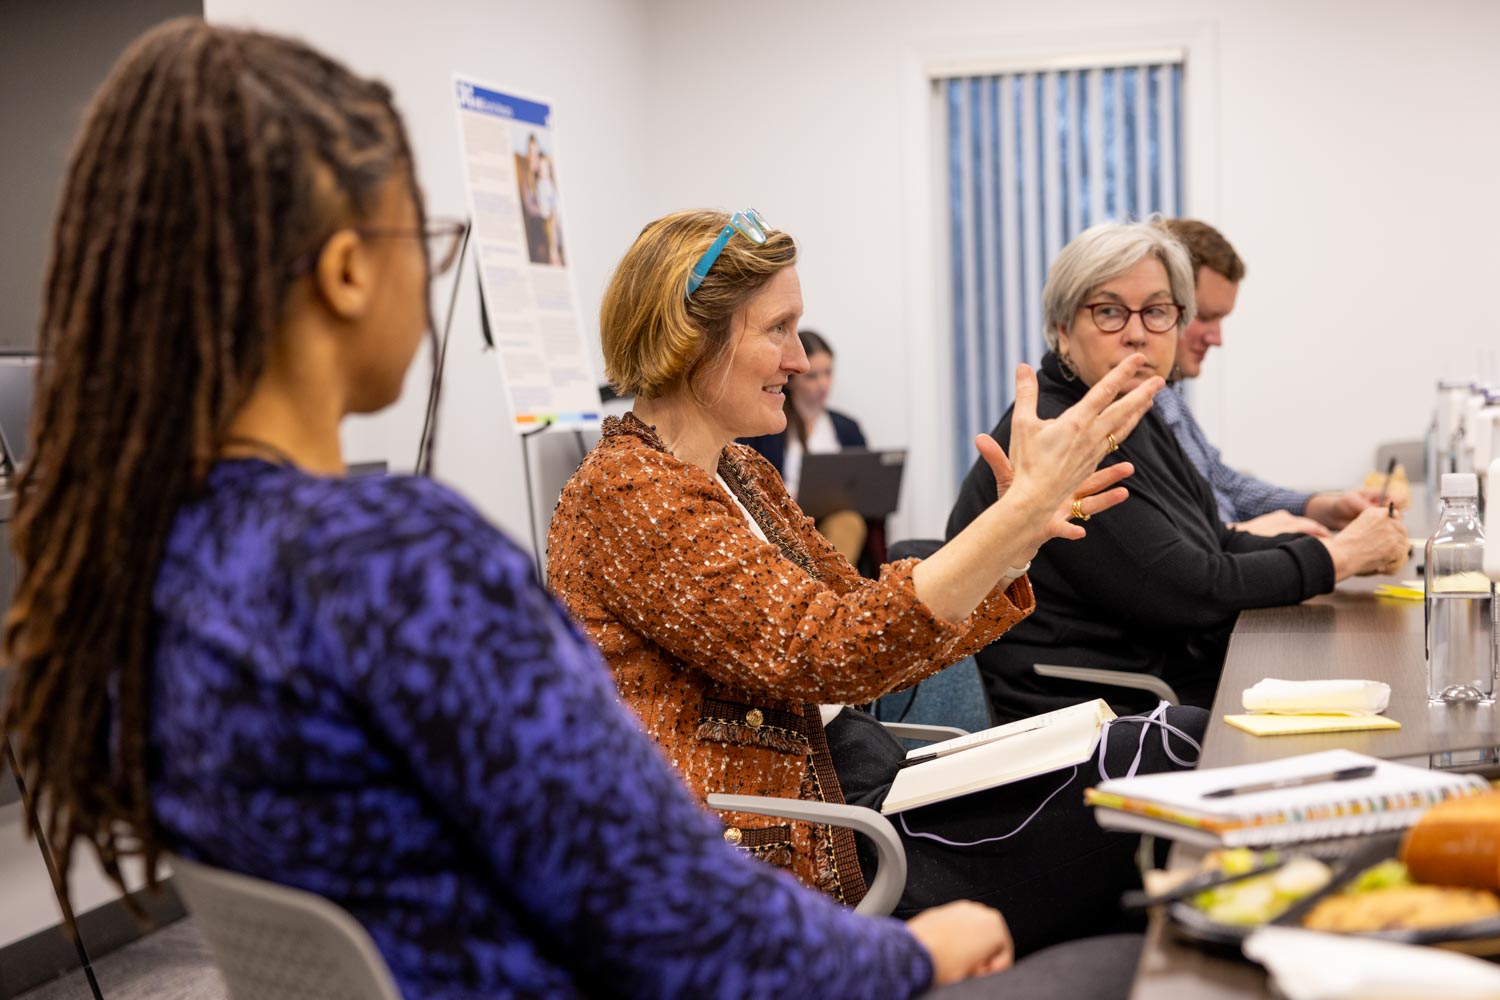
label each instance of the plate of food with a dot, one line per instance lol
(1437, 886)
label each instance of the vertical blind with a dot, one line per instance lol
(1033, 160)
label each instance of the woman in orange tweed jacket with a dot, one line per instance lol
(731, 624)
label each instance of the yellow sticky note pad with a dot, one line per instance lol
(1297, 725)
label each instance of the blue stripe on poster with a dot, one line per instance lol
(473, 97)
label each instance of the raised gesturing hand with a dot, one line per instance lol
(1056, 461)
(1094, 492)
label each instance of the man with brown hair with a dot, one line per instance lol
(1245, 502)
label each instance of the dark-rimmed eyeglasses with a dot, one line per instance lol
(1112, 317)
(443, 237)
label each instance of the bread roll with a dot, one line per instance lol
(1457, 843)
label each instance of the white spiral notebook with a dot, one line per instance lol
(1178, 805)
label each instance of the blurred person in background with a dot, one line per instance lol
(813, 428)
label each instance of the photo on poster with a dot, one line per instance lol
(536, 183)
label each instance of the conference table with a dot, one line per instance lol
(1348, 633)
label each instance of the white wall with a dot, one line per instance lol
(1346, 148)
(586, 56)
(29, 904)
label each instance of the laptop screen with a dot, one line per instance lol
(17, 384)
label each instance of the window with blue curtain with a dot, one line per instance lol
(1034, 159)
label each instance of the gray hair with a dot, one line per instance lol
(1105, 251)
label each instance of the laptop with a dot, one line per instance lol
(866, 482)
(17, 385)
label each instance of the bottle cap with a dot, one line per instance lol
(1458, 485)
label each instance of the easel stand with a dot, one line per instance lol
(536, 543)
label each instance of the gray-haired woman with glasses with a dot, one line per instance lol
(1157, 583)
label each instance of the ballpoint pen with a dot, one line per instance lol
(924, 758)
(1346, 774)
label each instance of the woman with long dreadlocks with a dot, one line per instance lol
(222, 647)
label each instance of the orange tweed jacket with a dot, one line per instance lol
(724, 644)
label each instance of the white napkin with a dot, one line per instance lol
(1339, 697)
(1307, 965)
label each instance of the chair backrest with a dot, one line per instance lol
(954, 696)
(914, 548)
(272, 942)
(1110, 678)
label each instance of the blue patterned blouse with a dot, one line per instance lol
(361, 690)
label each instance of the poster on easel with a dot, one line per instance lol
(529, 300)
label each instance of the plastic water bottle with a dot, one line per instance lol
(1460, 600)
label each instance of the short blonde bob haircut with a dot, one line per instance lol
(655, 337)
(1105, 251)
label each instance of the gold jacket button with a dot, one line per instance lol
(754, 718)
(733, 836)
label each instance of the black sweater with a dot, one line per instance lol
(1154, 588)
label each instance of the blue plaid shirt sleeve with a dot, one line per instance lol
(1240, 497)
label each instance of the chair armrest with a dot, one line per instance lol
(1111, 678)
(932, 734)
(890, 874)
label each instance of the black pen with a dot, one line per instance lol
(1390, 470)
(1347, 774)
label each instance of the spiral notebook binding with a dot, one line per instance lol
(1356, 817)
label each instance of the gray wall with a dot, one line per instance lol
(53, 55)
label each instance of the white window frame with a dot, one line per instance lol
(930, 472)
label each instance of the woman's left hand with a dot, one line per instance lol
(1094, 493)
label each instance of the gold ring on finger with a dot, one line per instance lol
(1114, 445)
(1078, 513)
